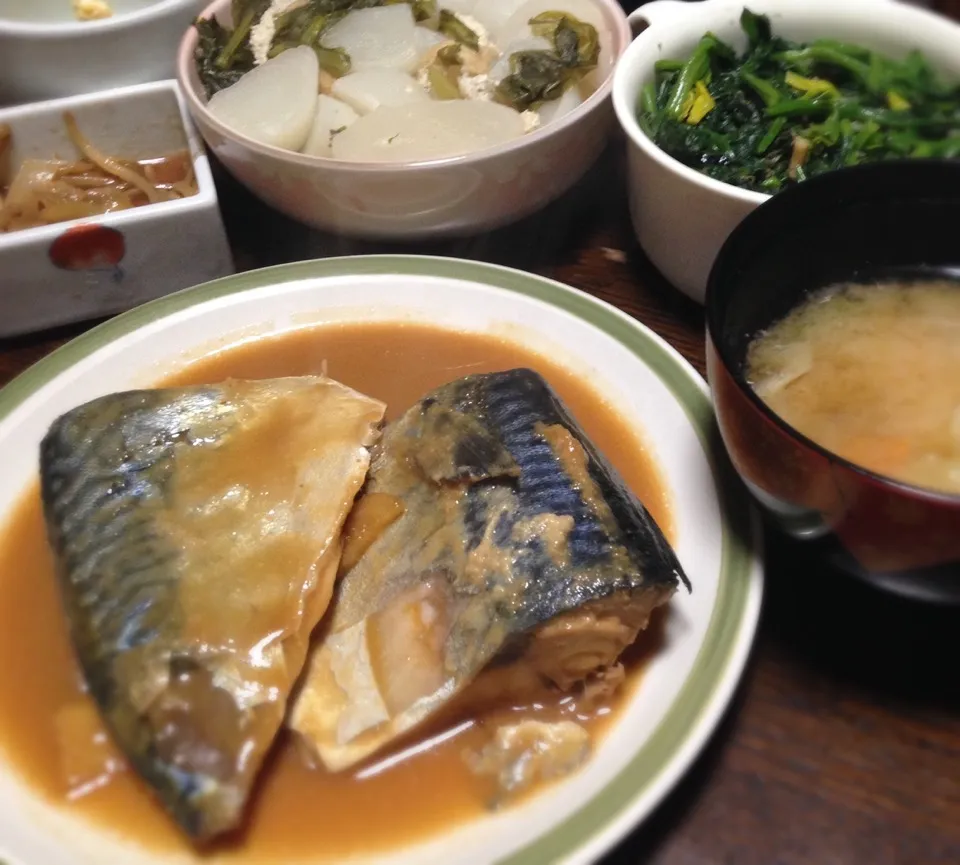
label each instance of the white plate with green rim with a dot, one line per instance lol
(685, 688)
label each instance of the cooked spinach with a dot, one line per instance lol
(212, 44)
(538, 76)
(245, 14)
(782, 111)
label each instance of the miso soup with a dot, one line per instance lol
(872, 374)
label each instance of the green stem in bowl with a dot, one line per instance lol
(245, 14)
(803, 107)
(775, 128)
(690, 73)
(763, 88)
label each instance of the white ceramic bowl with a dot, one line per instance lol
(458, 195)
(686, 686)
(88, 268)
(682, 217)
(46, 53)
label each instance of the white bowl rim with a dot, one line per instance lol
(185, 62)
(626, 112)
(122, 21)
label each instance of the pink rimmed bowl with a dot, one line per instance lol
(455, 196)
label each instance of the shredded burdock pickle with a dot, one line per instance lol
(46, 191)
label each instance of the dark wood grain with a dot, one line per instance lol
(947, 7)
(843, 744)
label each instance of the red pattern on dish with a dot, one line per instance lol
(88, 247)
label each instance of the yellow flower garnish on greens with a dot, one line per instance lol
(811, 86)
(897, 102)
(698, 104)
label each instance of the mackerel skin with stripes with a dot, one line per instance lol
(197, 535)
(512, 549)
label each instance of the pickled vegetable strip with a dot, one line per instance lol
(47, 191)
(108, 164)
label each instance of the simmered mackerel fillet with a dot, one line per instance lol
(491, 534)
(197, 532)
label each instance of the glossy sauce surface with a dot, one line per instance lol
(297, 812)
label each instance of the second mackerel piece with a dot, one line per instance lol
(491, 534)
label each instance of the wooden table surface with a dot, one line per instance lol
(842, 746)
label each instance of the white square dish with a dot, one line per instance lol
(82, 269)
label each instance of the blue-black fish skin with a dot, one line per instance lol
(510, 408)
(488, 436)
(195, 531)
(519, 551)
(102, 466)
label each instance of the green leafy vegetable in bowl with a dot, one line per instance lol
(224, 55)
(535, 75)
(784, 111)
(541, 75)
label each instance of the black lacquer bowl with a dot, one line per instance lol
(880, 221)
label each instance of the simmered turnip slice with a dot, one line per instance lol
(273, 103)
(333, 116)
(380, 38)
(428, 130)
(493, 14)
(517, 25)
(365, 91)
(463, 7)
(557, 108)
(425, 39)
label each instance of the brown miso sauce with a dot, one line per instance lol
(298, 812)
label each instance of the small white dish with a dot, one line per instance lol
(685, 689)
(45, 53)
(682, 217)
(83, 269)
